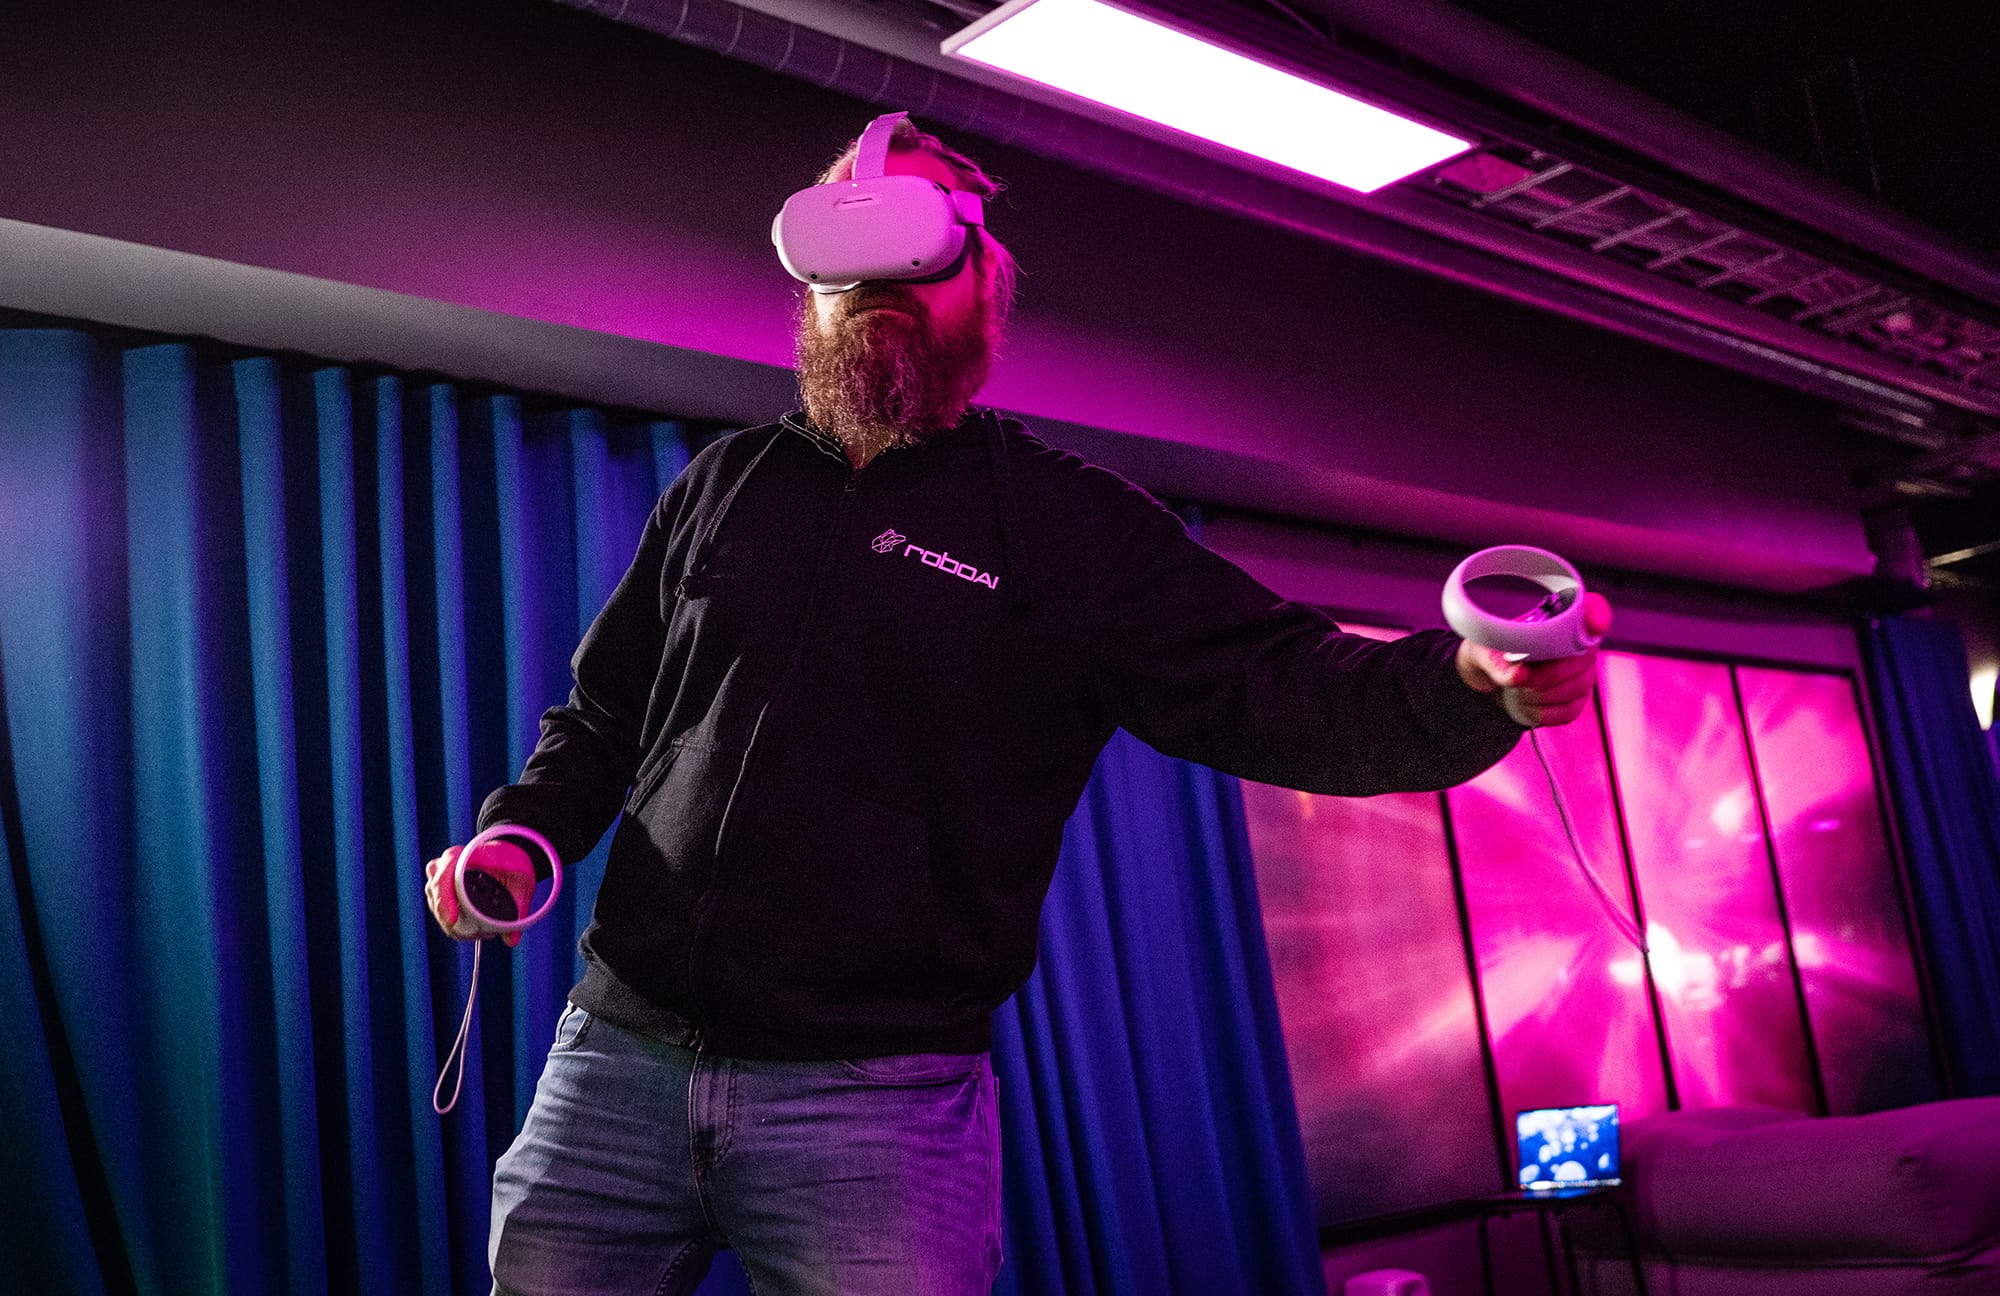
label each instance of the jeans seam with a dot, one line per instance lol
(726, 1135)
(694, 1147)
(989, 1103)
(856, 1070)
(673, 1266)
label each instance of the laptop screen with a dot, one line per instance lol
(1567, 1147)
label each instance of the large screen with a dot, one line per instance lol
(1441, 961)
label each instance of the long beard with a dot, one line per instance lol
(881, 378)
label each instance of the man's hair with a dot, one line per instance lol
(995, 260)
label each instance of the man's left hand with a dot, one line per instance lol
(1539, 693)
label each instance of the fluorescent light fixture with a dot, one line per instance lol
(1139, 66)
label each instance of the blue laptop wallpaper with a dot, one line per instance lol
(1567, 1147)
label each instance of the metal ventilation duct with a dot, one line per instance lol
(1531, 216)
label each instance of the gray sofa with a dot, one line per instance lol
(1753, 1201)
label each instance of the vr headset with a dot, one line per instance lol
(835, 236)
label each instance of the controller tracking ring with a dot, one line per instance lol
(1555, 629)
(486, 923)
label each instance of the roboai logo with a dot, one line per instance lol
(940, 559)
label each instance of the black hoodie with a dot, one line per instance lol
(845, 714)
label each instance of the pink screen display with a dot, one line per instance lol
(1692, 814)
(1381, 1019)
(1840, 888)
(1566, 999)
(1375, 999)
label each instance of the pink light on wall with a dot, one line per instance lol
(1720, 957)
(1117, 58)
(1373, 996)
(1839, 880)
(1566, 1004)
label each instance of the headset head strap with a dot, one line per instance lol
(871, 157)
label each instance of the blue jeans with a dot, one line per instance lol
(639, 1159)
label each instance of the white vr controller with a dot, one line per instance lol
(483, 901)
(1552, 628)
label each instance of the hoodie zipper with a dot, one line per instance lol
(779, 696)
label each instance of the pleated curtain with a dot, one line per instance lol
(1946, 793)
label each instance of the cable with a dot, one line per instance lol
(1619, 919)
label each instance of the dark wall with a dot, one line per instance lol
(537, 161)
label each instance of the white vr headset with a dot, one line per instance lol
(876, 226)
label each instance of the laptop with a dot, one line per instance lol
(1567, 1151)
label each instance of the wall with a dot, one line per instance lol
(535, 161)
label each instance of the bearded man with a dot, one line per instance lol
(840, 707)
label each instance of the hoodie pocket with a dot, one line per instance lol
(662, 860)
(829, 914)
(651, 775)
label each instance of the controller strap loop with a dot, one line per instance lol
(458, 1050)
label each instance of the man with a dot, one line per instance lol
(845, 697)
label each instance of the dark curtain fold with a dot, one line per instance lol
(1946, 792)
(268, 631)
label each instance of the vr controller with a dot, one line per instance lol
(1552, 628)
(907, 228)
(483, 901)
(488, 908)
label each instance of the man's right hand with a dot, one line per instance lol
(511, 866)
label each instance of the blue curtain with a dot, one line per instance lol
(1152, 1141)
(268, 630)
(1947, 797)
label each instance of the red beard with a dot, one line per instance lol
(885, 374)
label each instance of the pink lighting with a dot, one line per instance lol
(1374, 997)
(1734, 808)
(1832, 851)
(1121, 60)
(1566, 1002)
(1727, 996)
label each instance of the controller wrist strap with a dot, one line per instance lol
(440, 1105)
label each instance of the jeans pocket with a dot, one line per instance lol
(914, 1068)
(570, 1029)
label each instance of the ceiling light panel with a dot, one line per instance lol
(1139, 66)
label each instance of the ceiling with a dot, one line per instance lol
(1904, 95)
(1897, 102)
(1801, 191)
